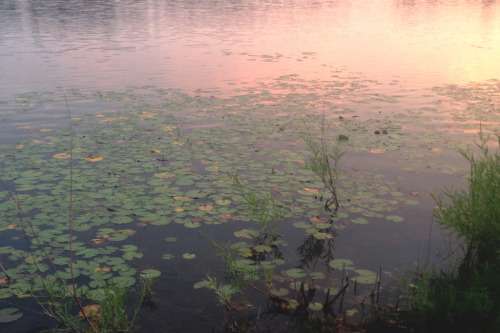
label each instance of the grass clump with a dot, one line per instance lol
(467, 299)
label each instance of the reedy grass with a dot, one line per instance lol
(474, 214)
(466, 299)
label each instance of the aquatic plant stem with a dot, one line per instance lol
(70, 215)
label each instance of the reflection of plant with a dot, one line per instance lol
(313, 249)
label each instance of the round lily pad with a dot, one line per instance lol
(152, 273)
(365, 276)
(395, 218)
(295, 273)
(10, 314)
(341, 264)
(189, 256)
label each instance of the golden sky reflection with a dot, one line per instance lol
(221, 45)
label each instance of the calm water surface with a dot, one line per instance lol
(399, 48)
(215, 45)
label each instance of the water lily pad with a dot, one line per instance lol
(247, 233)
(62, 156)
(359, 220)
(222, 202)
(152, 273)
(167, 256)
(395, 218)
(8, 315)
(365, 276)
(189, 256)
(280, 292)
(295, 273)
(125, 281)
(341, 264)
(316, 306)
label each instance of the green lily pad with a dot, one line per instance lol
(280, 292)
(189, 256)
(395, 218)
(152, 273)
(295, 273)
(341, 264)
(359, 220)
(125, 281)
(365, 276)
(8, 315)
(316, 306)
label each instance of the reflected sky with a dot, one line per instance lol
(221, 44)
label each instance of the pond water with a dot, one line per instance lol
(157, 101)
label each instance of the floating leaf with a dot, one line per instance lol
(341, 264)
(377, 151)
(170, 239)
(8, 315)
(61, 156)
(125, 281)
(365, 276)
(189, 256)
(262, 248)
(103, 269)
(322, 235)
(206, 207)
(221, 202)
(316, 306)
(395, 218)
(359, 220)
(152, 273)
(308, 191)
(351, 312)
(295, 273)
(167, 256)
(317, 275)
(166, 174)
(192, 224)
(247, 233)
(318, 219)
(91, 158)
(280, 292)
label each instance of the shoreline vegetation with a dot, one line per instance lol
(465, 298)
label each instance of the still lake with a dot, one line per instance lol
(166, 97)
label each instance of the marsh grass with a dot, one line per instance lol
(466, 299)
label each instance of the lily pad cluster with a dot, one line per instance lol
(154, 158)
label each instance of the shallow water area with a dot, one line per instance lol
(153, 103)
